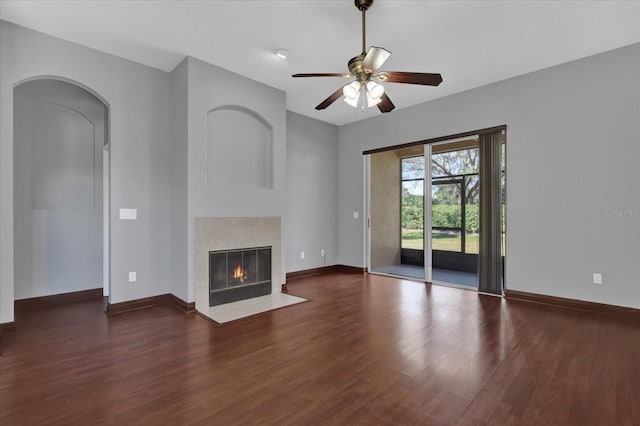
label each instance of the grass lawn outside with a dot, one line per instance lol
(441, 240)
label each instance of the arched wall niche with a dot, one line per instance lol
(64, 80)
(60, 129)
(77, 84)
(62, 158)
(239, 148)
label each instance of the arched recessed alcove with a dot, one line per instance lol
(74, 83)
(239, 148)
(60, 212)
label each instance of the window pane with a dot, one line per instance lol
(445, 240)
(412, 211)
(446, 216)
(455, 163)
(445, 207)
(413, 239)
(472, 243)
(413, 168)
(472, 215)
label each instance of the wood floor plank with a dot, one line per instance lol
(364, 350)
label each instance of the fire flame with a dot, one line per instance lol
(238, 273)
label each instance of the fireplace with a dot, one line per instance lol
(239, 274)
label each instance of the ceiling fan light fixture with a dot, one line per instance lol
(375, 90)
(371, 101)
(351, 91)
(351, 101)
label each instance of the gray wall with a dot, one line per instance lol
(572, 152)
(59, 132)
(209, 88)
(312, 192)
(239, 149)
(178, 185)
(385, 209)
(138, 98)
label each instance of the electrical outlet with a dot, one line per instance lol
(301, 255)
(132, 277)
(322, 253)
(597, 278)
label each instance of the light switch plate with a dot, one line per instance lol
(132, 277)
(128, 214)
(356, 215)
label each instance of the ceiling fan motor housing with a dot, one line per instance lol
(363, 4)
(355, 68)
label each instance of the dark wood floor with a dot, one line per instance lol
(366, 350)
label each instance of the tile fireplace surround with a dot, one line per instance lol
(229, 233)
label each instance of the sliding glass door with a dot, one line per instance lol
(424, 211)
(412, 211)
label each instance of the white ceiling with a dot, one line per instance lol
(471, 43)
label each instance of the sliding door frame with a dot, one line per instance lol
(427, 143)
(426, 200)
(367, 212)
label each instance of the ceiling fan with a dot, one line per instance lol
(364, 68)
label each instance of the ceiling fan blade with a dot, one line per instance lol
(331, 99)
(385, 104)
(423, 78)
(326, 74)
(375, 57)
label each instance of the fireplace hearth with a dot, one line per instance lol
(239, 274)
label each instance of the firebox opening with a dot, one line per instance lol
(239, 274)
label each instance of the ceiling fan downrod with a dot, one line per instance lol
(363, 6)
